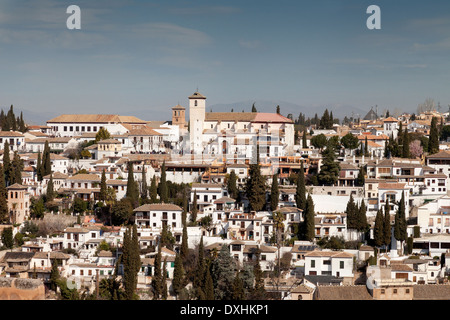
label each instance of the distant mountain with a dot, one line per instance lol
(339, 111)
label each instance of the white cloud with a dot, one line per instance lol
(250, 44)
(169, 33)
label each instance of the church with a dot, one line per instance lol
(235, 134)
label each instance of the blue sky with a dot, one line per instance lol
(151, 55)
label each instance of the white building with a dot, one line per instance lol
(156, 215)
(331, 263)
(70, 125)
(237, 133)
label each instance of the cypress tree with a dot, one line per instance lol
(6, 163)
(153, 191)
(46, 160)
(144, 187)
(362, 218)
(274, 193)
(178, 275)
(4, 212)
(22, 126)
(309, 219)
(351, 211)
(200, 271)
(163, 190)
(387, 225)
(209, 286)
(366, 147)
(300, 195)
(184, 242)
(103, 187)
(400, 226)
(38, 167)
(50, 195)
(16, 169)
(164, 280)
(132, 190)
(231, 185)
(405, 149)
(433, 143)
(259, 291)
(194, 209)
(131, 261)
(157, 277)
(361, 178)
(255, 186)
(304, 141)
(378, 229)
(238, 292)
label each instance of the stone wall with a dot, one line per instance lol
(21, 289)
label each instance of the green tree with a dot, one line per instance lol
(254, 108)
(121, 211)
(351, 212)
(178, 281)
(255, 186)
(102, 134)
(164, 293)
(144, 187)
(157, 276)
(223, 270)
(309, 219)
(200, 272)
(163, 190)
(153, 191)
(194, 209)
(300, 192)
(362, 223)
(209, 286)
(4, 212)
(304, 140)
(329, 171)
(405, 148)
(6, 163)
(258, 292)
(103, 187)
(400, 226)
(46, 160)
(361, 178)
(433, 144)
(7, 238)
(350, 141)
(232, 186)
(378, 229)
(54, 276)
(387, 225)
(274, 193)
(131, 261)
(132, 187)
(238, 291)
(39, 167)
(319, 141)
(50, 194)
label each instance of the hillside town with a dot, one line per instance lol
(224, 205)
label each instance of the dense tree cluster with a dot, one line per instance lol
(9, 121)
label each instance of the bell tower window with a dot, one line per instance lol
(195, 103)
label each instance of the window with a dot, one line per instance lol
(313, 263)
(341, 264)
